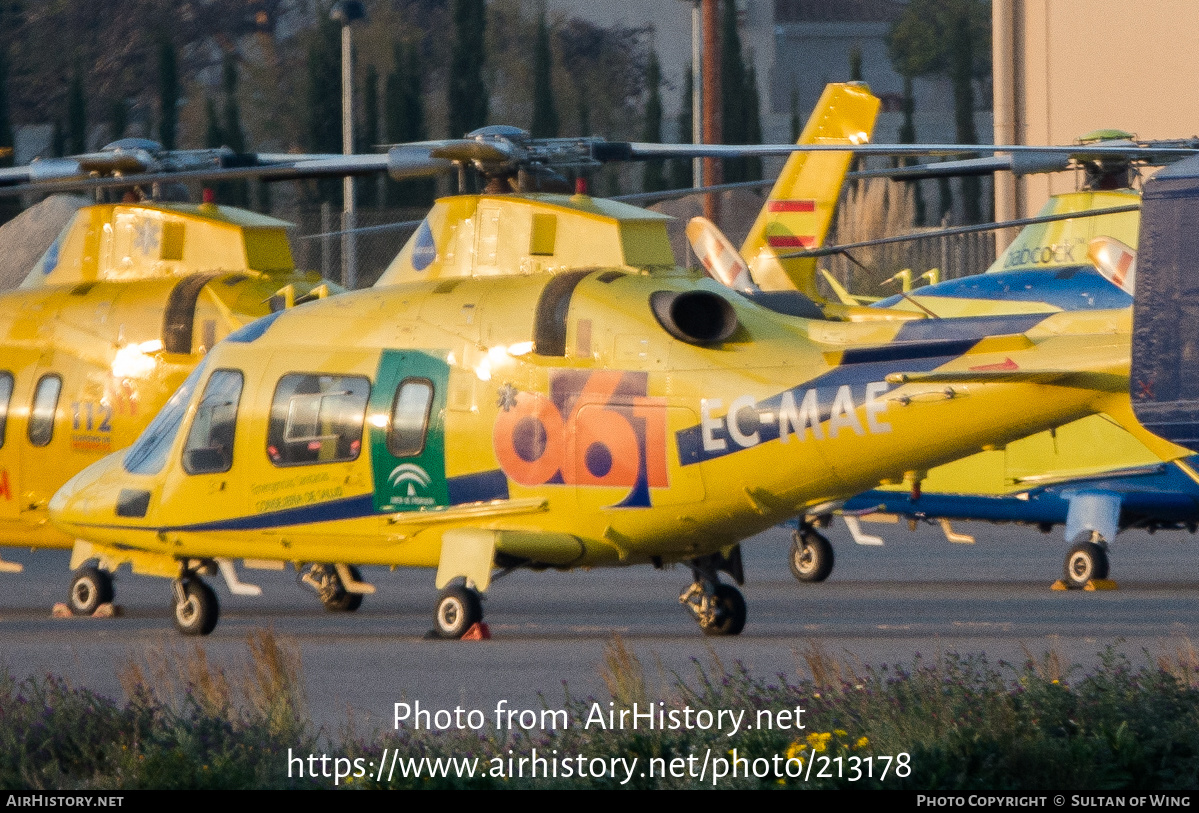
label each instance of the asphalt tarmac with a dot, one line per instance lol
(917, 594)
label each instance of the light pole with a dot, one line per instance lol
(347, 12)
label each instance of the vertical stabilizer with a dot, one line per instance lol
(803, 200)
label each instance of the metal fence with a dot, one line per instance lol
(867, 210)
(317, 240)
(880, 208)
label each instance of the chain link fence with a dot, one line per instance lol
(868, 210)
(317, 242)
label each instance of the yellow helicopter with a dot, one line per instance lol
(127, 301)
(534, 383)
(116, 313)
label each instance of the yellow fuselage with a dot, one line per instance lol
(572, 426)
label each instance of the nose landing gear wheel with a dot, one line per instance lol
(90, 588)
(811, 556)
(1084, 562)
(458, 609)
(196, 608)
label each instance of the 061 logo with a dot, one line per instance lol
(595, 429)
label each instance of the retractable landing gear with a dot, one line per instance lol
(90, 588)
(329, 589)
(811, 556)
(458, 609)
(719, 608)
(196, 607)
(1086, 561)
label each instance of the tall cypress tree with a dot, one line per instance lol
(323, 100)
(855, 63)
(732, 96)
(168, 94)
(118, 120)
(76, 114)
(404, 120)
(234, 192)
(961, 72)
(58, 140)
(753, 121)
(213, 136)
(466, 95)
(680, 169)
(545, 112)
(9, 207)
(907, 135)
(654, 178)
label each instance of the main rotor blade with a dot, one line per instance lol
(304, 167)
(641, 151)
(825, 251)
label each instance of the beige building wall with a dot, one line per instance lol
(1083, 65)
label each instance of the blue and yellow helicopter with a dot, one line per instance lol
(535, 384)
(1090, 475)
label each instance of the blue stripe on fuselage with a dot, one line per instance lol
(920, 346)
(1073, 288)
(465, 489)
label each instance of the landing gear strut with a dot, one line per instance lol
(811, 556)
(90, 588)
(329, 589)
(719, 608)
(196, 607)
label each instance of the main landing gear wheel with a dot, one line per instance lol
(811, 556)
(196, 608)
(719, 608)
(332, 592)
(90, 588)
(728, 612)
(1084, 562)
(458, 609)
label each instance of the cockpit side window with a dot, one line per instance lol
(317, 419)
(410, 417)
(149, 452)
(45, 407)
(209, 448)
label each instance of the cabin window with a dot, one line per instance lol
(209, 448)
(410, 417)
(149, 452)
(45, 407)
(6, 385)
(317, 419)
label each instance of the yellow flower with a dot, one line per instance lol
(861, 743)
(819, 742)
(841, 732)
(795, 750)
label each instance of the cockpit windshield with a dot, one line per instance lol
(149, 452)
